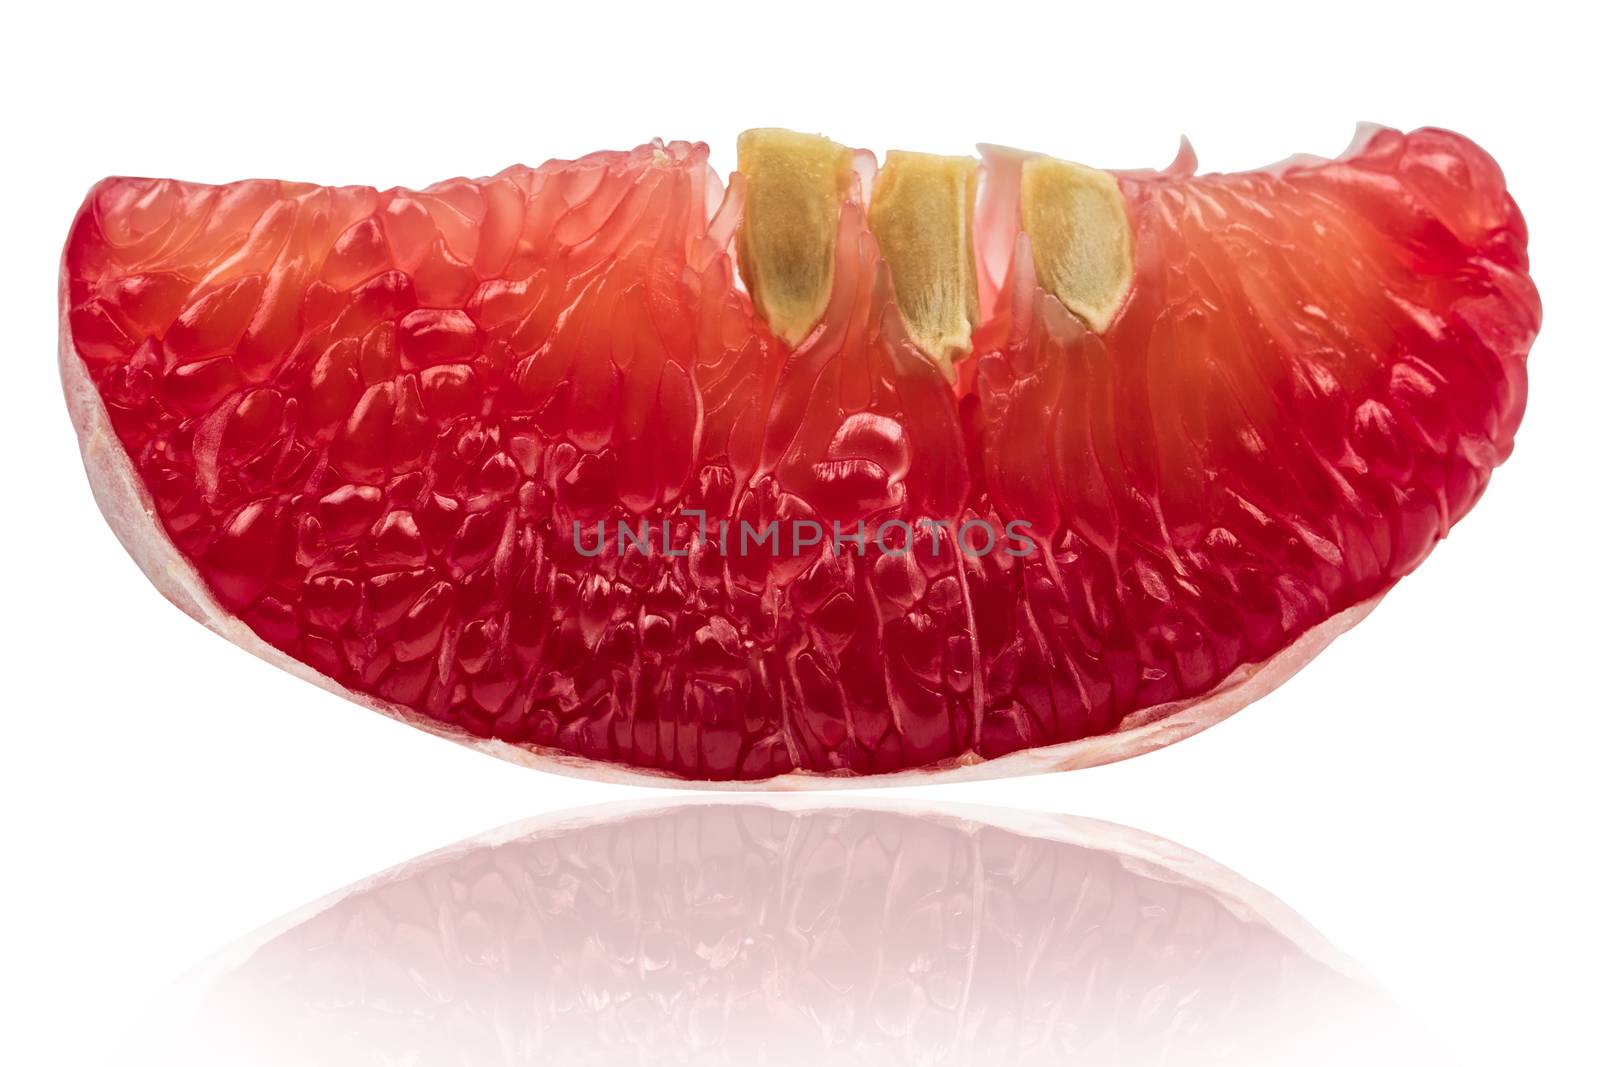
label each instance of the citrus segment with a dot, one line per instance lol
(541, 463)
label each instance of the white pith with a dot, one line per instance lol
(128, 509)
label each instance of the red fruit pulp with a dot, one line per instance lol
(372, 420)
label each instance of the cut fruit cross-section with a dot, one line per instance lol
(949, 469)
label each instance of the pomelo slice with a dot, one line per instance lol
(801, 932)
(596, 467)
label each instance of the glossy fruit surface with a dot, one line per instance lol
(389, 432)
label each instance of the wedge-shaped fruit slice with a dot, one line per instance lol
(951, 469)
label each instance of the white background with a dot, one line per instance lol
(1423, 793)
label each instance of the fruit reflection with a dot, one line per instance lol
(778, 933)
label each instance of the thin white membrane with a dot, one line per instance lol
(129, 510)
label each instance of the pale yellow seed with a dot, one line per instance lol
(1077, 222)
(921, 216)
(795, 184)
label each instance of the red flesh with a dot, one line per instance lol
(370, 420)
